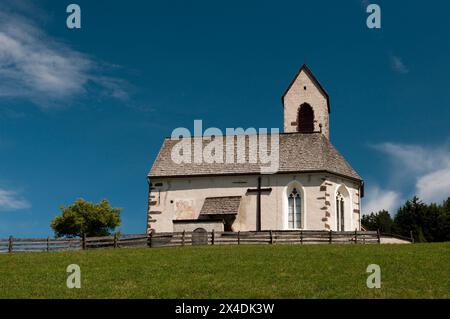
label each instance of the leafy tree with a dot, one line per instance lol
(87, 218)
(410, 217)
(446, 205)
(431, 227)
(378, 221)
(444, 222)
(429, 223)
(369, 221)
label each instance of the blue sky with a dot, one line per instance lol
(83, 112)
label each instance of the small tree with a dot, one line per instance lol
(369, 221)
(380, 221)
(411, 217)
(87, 218)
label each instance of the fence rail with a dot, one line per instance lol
(277, 237)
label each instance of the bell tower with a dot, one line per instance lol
(306, 105)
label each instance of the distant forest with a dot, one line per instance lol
(428, 223)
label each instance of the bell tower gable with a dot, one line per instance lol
(306, 105)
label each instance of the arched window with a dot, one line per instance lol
(340, 212)
(294, 210)
(305, 119)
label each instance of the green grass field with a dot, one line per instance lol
(297, 271)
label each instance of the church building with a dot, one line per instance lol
(314, 188)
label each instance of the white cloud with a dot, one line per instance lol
(398, 65)
(428, 168)
(43, 70)
(415, 157)
(10, 200)
(435, 186)
(378, 199)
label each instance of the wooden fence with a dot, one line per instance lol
(12, 244)
(263, 237)
(39, 244)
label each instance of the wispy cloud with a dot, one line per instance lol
(378, 199)
(11, 200)
(416, 158)
(427, 168)
(434, 186)
(398, 65)
(44, 70)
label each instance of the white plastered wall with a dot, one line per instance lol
(182, 198)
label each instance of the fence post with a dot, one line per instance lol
(239, 237)
(271, 237)
(212, 237)
(182, 237)
(356, 236)
(331, 236)
(83, 244)
(378, 236)
(10, 244)
(411, 235)
(301, 237)
(149, 240)
(48, 243)
(115, 240)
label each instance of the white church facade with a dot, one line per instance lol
(314, 187)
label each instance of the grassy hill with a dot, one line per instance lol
(297, 271)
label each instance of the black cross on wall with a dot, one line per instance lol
(258, 192)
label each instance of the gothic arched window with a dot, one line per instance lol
(295, 210)
(340, 222)
(305, 119)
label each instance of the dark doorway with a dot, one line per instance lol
(228, 221)
(305, 119)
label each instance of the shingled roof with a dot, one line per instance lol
(221, 205)
(298, 153)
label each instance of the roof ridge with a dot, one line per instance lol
(268, 133)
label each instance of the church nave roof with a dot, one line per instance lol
(297, 153)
